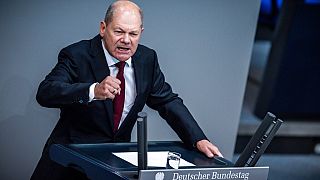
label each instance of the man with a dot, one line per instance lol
(101, 84)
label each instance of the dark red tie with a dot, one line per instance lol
(118, 101)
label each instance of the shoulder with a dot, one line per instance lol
(81, 49)
(145, 51)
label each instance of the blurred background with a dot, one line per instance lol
(284, 78)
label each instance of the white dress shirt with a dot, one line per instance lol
(130, 84)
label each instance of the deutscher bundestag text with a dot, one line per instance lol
(213, 175)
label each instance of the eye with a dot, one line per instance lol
(118, 32)
(133, 34)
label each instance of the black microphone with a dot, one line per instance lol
(142, 141)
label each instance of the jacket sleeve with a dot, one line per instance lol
(172, 109)
(61, 87)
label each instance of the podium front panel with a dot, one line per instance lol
(97, 160)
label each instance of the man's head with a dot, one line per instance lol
(121, 29)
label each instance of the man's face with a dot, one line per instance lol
(121, 36)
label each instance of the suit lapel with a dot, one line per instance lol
(99, 63)
(101, 70)
(138, 68)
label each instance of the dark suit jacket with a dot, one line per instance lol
(83, 63)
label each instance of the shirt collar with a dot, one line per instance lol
(111, 60)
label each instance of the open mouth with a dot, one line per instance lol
(123, 49)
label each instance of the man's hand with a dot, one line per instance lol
(108, 88)
(208, 148)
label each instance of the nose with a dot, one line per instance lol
(125, 39)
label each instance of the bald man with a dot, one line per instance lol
(101, 84)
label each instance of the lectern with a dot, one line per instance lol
(98, 161)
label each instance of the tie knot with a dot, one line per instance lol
(121, 64)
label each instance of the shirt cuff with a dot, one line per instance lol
(91, 92)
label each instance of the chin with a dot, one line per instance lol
(123, 58)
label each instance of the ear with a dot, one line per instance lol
(103, 27)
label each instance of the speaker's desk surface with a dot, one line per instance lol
(97, 160)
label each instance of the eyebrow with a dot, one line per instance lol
(134, 30)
